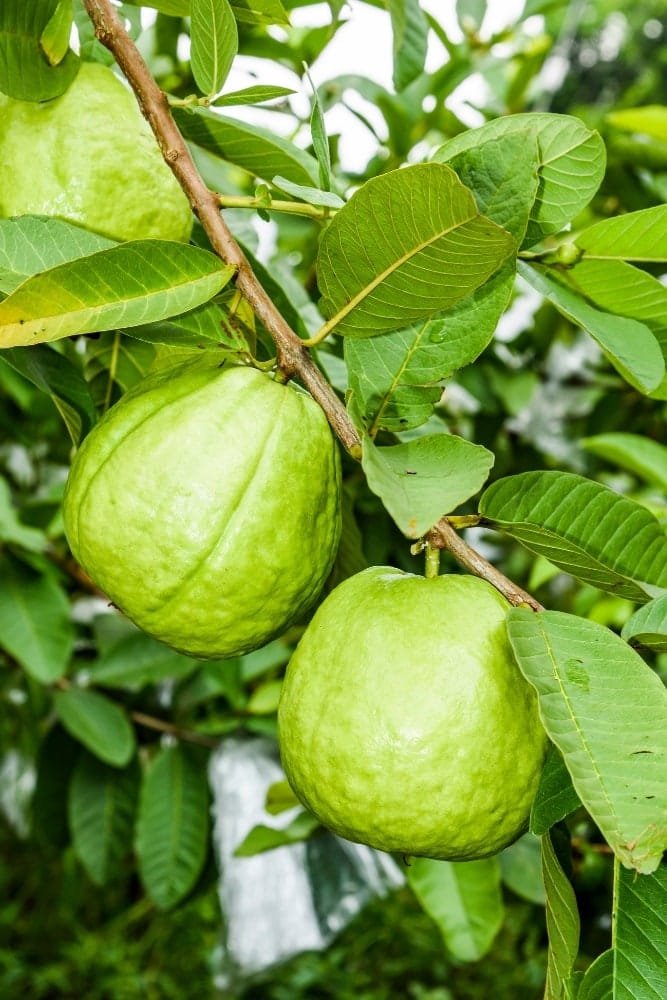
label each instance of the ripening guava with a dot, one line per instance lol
(89, 157)
(404, 721)
(206, 505)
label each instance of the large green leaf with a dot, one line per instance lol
(408, 245)
(35, 624)
(422, 480)
(98, 723)
(648, 626)
(464, 899)
(410, 35)
(562, 922)
(583, 528)
(394, 378)
(630, 345)
(26, 73)
(642, 456)
(126, 285)
(503, 175)
(172, 826)
(251, 147)
(101, 805)
(640, 236)
(33, 243)
(606, 711)
(571, 164)
(56, 758)
(214, 42)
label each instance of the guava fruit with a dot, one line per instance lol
(206, 505)
(89, 157)
(404, 721)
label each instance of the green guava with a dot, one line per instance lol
(404, 721)
(89, 157)
(206, 505)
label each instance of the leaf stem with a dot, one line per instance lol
(275, 205)
(443, 536)
(293, 356)
(432, 569)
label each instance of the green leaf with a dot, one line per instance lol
(470, 13)
(606, 711)
(214, 43)
(251, 147)
(640, 455)
(138, 660)
(260, 12)
(320, 139)
(172, 826)
(11, 529)
(102, 803)
(56, 758)
(265, 838)
(311, 195)
(598, 983)
(54, 40)
(25, 72)
(422, 480)
(638, 236)
(625, 290)
(408, 245)
(630, 345)
(650, 120)
(55, 374)
(251, 95)
(410, 34)
(648, 626)
(584, 528)
(35, 625)
(640, 942)
(571, 165)
(556, 797)
(394, 378)
(521, 868)
(464, 899)
(126, 285)
(98, 723)
(264, 699)
(503, 175)
(562, 922)
(33, 243)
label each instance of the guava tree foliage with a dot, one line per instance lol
(516, 266)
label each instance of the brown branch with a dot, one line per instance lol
(293, 357)
(444, 536)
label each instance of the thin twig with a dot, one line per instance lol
(444, 536)
(293, 357)
(186, 735)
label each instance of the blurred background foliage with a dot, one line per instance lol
(536, 393)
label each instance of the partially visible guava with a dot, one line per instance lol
(405, 722)
(206, 505)
(89, 157)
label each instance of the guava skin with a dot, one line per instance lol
(404, 721)
(89, 157)
(206, 505)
